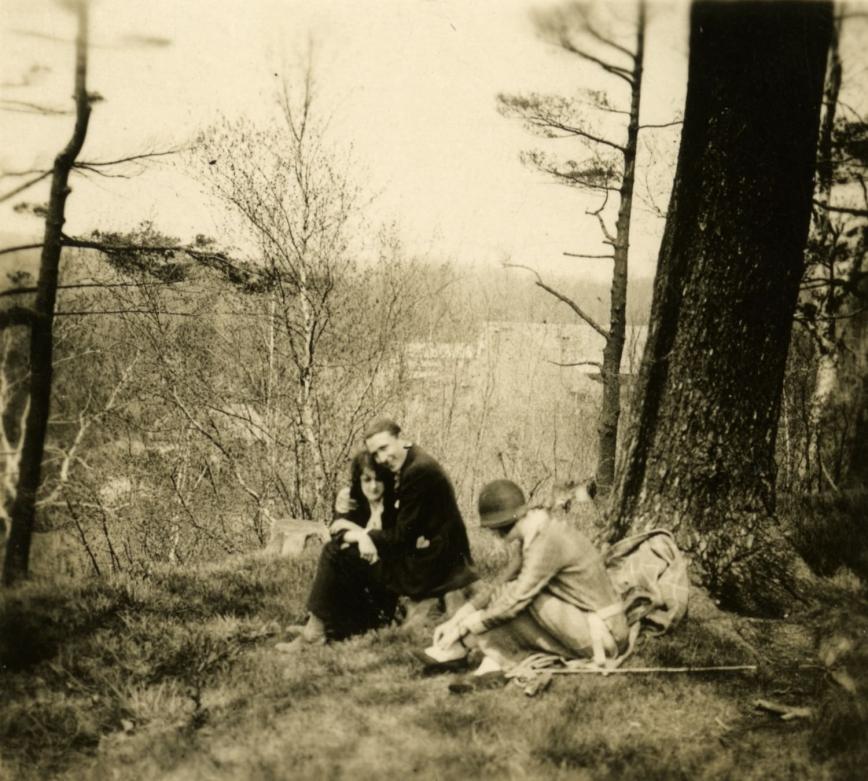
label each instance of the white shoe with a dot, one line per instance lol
(487, 666)
(450, 654)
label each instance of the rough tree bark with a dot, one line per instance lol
(42, 323)
(700, 458)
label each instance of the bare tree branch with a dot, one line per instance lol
(842, 209)
(16, 315)
(547, 121)
(7, 104)
(673, 123)
(28, 172)
(83, 285)
(20, 248)
(561, 297)
(130, 159)
(85, 421)
(591, 257)
(610, 238)
(841, 316)
(83, 312)
(12, 193)
(595, 34)
(615, 70)
(578, 363)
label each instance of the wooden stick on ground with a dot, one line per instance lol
(648, 670)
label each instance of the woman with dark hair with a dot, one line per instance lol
(348, 595)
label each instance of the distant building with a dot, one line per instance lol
(563, 355)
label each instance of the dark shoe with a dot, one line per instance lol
(471, 683)
(421, 613)
(430, 667)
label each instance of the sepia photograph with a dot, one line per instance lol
(436, 389)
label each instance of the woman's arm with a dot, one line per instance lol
(342, 525)
(540, 564)
(367, 549)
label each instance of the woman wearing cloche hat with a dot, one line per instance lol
(560, 600)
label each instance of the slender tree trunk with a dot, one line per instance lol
(41, 335)
(314, 467)
(824, 245)
(700, 459)
(855, 473)
(610, 410)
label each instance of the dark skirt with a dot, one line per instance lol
(348, 593)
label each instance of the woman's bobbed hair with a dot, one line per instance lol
(361, 461)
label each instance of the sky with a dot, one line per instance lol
(410, 85)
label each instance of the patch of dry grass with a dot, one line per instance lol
(175, 677)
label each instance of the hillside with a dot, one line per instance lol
(174, 676)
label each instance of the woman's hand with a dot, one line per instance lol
(441, 630)
(343, 525)
(451, 633)
(367, 549)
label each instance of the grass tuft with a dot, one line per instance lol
(176, 676)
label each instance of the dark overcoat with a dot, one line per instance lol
(425, 552)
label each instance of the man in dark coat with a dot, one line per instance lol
(426, 552)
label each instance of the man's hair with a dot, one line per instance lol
(379, 425)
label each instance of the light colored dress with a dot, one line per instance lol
(561, 600)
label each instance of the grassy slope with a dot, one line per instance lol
(175, 678)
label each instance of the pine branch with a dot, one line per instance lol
(550, 122)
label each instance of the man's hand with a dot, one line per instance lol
(344, 503)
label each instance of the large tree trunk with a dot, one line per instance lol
(700, 460)
(41, 335)
(610, 410)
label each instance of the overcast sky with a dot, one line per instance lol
(411, 84)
